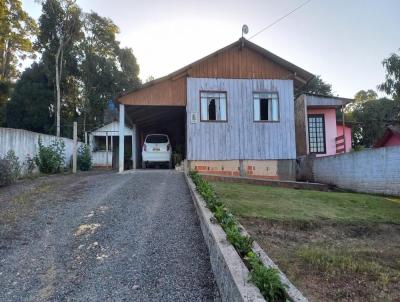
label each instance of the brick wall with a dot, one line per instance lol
(370, 171)
(267, 169)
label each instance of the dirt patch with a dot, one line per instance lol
(331, 261)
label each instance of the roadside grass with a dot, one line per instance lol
(335, 246)
(305, 205)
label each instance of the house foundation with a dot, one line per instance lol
(266, 169)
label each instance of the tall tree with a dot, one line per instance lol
(17, 30)
(31, 105)
(317, 86)
(60, 28)
(370, 119)
(106, 69)
(391, 86)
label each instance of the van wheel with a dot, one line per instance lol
(144, 165)
(170, 165)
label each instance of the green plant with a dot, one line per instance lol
(6, 175)
(240, 242)
(14, 164)
(266, 279)
(84, 158)
(50, 159)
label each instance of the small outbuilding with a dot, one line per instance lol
(391, 137)
(104, 143)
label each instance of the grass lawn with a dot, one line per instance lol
(334, 246)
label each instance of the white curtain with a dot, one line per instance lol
(204, 109)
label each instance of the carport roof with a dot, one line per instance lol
(299, 75)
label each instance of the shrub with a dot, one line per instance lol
(84, 158)
(6, 174)
(14, 163)
(50, 159)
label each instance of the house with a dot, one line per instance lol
(229, 113)
(317, 129)
(104, 145)
(391, 137)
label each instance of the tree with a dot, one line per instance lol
(361, 97)
(391, 86)
(106, 69)
(60, 28)
(17, 30)
(317, 86)
(31, 106)
(371, 118)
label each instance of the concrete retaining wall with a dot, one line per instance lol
(370, 171)
(25, 143)
(230, 272)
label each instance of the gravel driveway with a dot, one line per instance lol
(103, 237)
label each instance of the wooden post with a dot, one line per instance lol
(344, 129)
(86, 138)
(74, 151)
(106, 149)
(121, 137)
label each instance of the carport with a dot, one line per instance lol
(158, 107)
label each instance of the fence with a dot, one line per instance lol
(371, 171)
(25, 143)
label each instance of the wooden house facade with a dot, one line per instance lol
(230, 113)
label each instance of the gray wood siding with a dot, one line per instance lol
(240, 137)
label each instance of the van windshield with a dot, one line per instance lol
(157, 139)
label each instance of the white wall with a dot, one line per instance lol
(99, 158)
(240, 137)
(25, 142)
(370, 171)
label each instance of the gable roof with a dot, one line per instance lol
(299, 74)
(390, 131)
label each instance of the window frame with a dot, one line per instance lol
(226, 105)
(279, 111)
(318, 115)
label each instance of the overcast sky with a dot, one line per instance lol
(344, 41)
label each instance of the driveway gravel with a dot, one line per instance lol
(102, 236)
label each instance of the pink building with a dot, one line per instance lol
(391, 137)
(317, 129)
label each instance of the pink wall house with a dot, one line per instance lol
(317, 130)
(390, 138)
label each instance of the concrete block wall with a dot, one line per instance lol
(370, 171)
(25, 143)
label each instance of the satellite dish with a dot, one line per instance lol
(245, 30)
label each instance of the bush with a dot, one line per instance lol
(14, 164)
(84, 158)
(6, 174)
(50, 159)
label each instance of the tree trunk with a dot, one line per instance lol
(58, 76)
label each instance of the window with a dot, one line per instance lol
(266, 106)
(316, 133)
(213, 106)
(157, 139)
